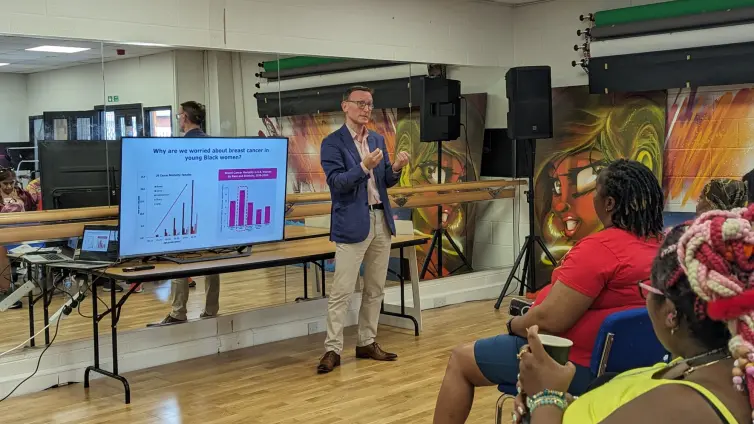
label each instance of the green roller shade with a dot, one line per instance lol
(298, 62)
(669, 9)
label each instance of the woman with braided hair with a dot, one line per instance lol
(701, 303)
(595, 279)
(722, 194)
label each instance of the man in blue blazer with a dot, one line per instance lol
(358, 173)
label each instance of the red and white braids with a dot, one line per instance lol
(715, 253)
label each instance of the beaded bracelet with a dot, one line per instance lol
(547, 397)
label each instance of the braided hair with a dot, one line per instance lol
(639, 201)
(725, 194)
(706, 269)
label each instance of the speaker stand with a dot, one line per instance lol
(529, 250)
(440, 232)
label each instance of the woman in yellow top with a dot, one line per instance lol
(701, 303)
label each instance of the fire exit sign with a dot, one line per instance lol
(113, 99)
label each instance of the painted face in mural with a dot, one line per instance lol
(358, 107)
(451, 171)
(591, 131)
(574, 179)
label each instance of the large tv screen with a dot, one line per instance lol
(189, 194)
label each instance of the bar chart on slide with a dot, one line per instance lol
(248, 199)
(166, 207)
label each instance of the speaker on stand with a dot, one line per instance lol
(529, 92)
(440, 121)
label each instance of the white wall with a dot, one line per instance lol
(190, 78)
(490, 80)
(14, 122)
(545, 33)
(463, 32)
(148, 80)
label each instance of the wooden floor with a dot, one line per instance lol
(240, 291)
(277, 383)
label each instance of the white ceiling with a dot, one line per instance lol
(13, 51)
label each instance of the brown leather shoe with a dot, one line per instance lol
(374, 351)
(328, 362)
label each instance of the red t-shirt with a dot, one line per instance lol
(605, 266)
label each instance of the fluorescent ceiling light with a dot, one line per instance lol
(138, 43)
(4, 64)
(58, 49)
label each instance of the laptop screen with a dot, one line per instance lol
(99, 243)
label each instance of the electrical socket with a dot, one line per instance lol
(16, 296)
(79, 297)
(314, 327)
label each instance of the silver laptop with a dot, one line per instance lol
(97, 248)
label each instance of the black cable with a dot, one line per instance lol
(39, 361)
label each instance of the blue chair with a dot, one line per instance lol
(626, 340)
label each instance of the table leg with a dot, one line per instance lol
(402, 313)
(306, 283)
(47, 293)
(322, 269)
(114, 312)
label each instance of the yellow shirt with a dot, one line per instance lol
(598, 404)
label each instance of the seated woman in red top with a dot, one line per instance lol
(596, 278)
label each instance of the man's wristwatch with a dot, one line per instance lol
(508, 326)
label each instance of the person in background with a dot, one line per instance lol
(748, 179)
(13, 199)
(34, 188)
(701, 304)
(191, 117)
(596, 278)
(722, 194)
(359, 172)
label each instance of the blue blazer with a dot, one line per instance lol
(349, 213)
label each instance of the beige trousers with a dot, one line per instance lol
(180, 289)
(375, 254)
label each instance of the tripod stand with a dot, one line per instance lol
(440, 232)
(528, 252)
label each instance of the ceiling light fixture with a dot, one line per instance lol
(4, 64)
(58, 49)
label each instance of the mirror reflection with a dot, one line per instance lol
(67, 107)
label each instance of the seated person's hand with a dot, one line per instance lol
(538, 371)
(520, 410)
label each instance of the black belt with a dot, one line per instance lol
(378, 206)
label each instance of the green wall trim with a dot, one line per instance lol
(668, 9)
(298, 62)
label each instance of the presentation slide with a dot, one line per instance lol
(187, 194)
(96, 240)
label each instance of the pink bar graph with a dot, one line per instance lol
(250, 213)
(241, 202)
(266, 214)
(232, 221)
(259, 216)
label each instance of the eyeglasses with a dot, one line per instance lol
(361, 104)
(645, 289)
(178, 115)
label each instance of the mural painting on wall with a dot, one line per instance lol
(400, 127)
(709, 136)
(590, 131)
(460, 162)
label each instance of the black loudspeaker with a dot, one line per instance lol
(440, 110)
(529, 92)
(503, 157)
